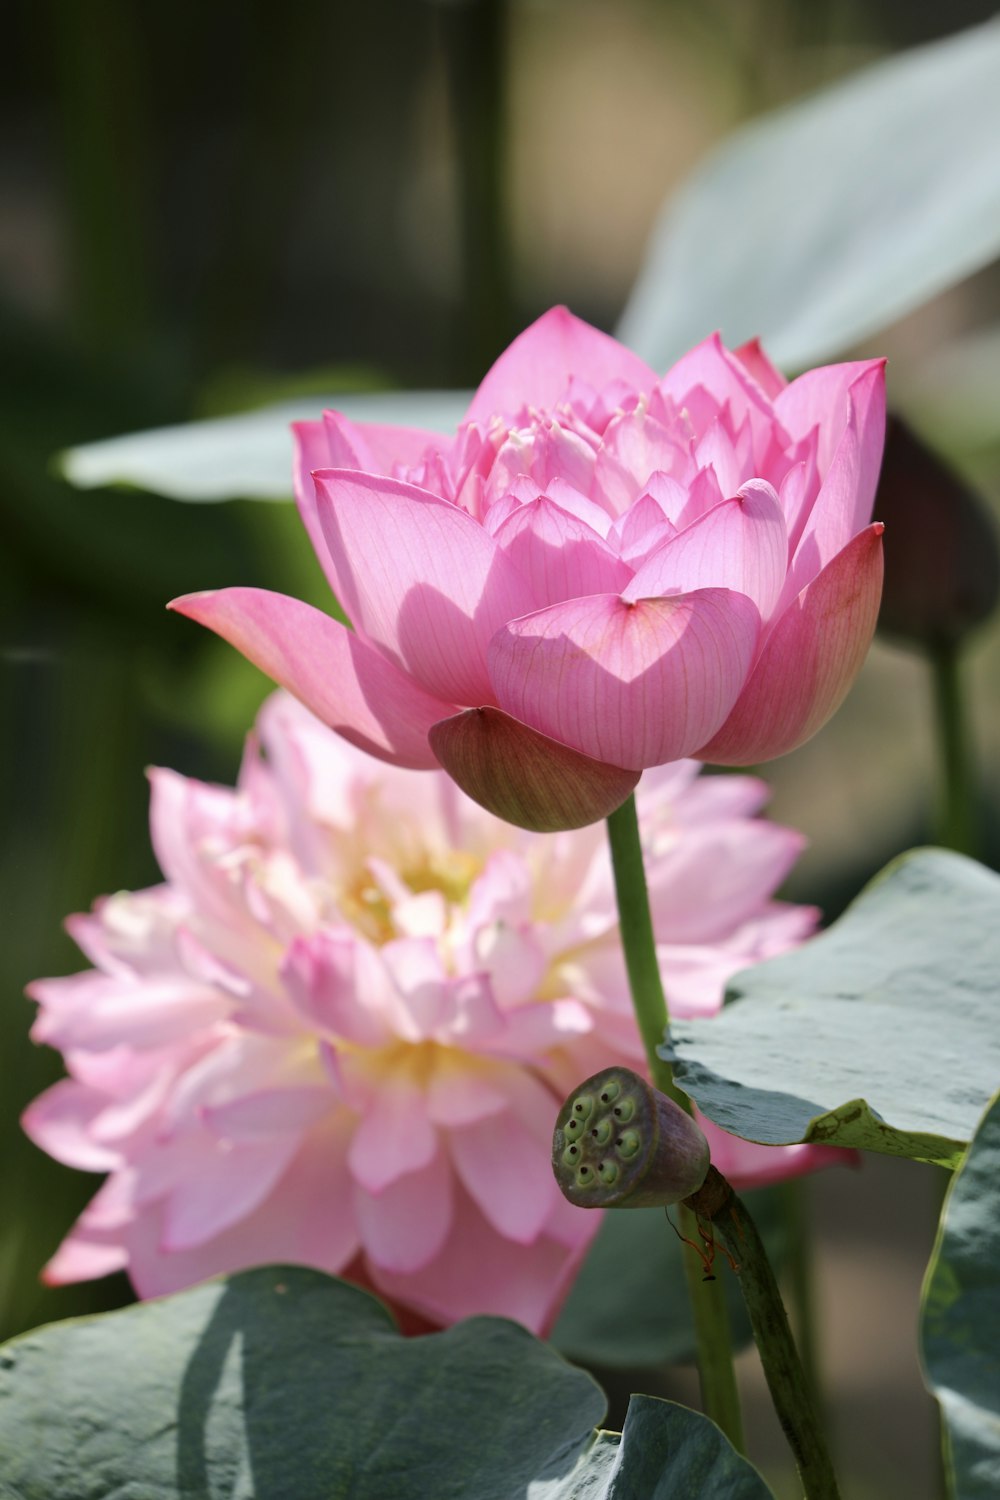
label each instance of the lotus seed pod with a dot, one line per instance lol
(619, 1143)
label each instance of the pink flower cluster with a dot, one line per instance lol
(602, 571)
(339, 1032)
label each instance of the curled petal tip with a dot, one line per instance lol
(523, 776)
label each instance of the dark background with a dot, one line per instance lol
(205, 208)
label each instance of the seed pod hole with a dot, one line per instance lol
(583, 1106)
(610, 1091)
(624, 1110)
(602, 1132)
(628, 1143)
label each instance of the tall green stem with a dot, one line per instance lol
(715, 1360)
(716, 1375)
(799, 1271)
(786, 1379)
(956, 797)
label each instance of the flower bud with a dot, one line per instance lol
(942, 566)
(619, 1143)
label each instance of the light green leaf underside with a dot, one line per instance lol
(883, 1033)
(285, 1382)
(960, 1317)
(817, 225)
(248, 456)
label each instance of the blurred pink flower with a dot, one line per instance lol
(602, 571)
(340, 1031)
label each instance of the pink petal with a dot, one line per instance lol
(748, 1165)
(376, 447)
(513, 957)
(820, 399)
(546, 452)
(479, 1271)
(60, 1122)
(729, 381)
(559, 556)
(752, 357)
(730, 459)
(189, 822)
(339, 985)
(740, 862)
(420, 578)
(741, 544)
(847, 493)
(799, 488)
(343, 680)
(227, 1186)
(305, 1220)
(240, 1063)
(635, 447)
(629, 684)
(131, 932)
(503, 891)
(704, 492)
(107, 1013)
(809, 661)
(534, 1028)
(394, 1137)
(335, 442)
(270, 1112)
(460, 1093)
(405, 1226)
(536, 369)
(563, 494)
(85, 1256)
(645, 525)
(508, 1173)
(311, 450)
(720, 372)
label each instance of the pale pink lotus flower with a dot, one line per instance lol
(602, 571)
(340, 1032)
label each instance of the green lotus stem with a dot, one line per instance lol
(639, 944)
(799, 1271)
(956, 796)
(786, 1379)
(716, 1374)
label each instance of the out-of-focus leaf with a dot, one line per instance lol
(827, 220)
(629, 1304)
(285, 1382)
(882, 1033)
(955, 395)
(248, 456)
(960, 1317)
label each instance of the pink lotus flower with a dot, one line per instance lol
(602, 571)
(339, 1033)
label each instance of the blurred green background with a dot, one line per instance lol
(205, 208)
